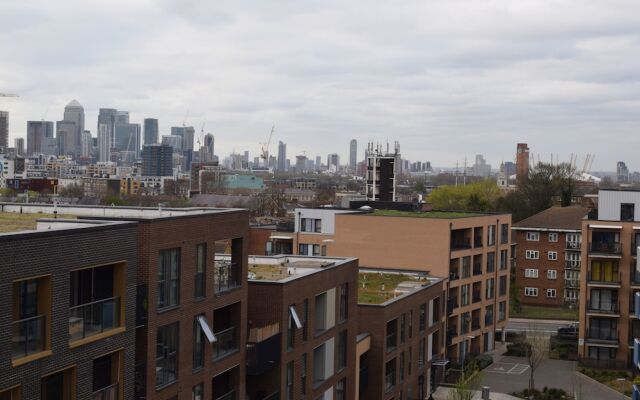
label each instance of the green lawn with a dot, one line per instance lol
(14, 222)
(424, 214)
(539, 312)
(376, 288)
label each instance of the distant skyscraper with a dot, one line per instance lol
(157, 160)
(353, 154)
(150, 131)
(206, 150)
(318, 162)
(187, 134)
(86, 142)
(19, 145)
(66, 138)
(40, 137)
(301, 164)
(333, 161)
(282, 156)
(381, 173)
(174, 141)
(106, 133)
(4, 130)
(74, 112)
(127, 138)
(622, 172)
(481, 168)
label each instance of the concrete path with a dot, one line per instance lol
(443, 394)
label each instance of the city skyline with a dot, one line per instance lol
(446, 80)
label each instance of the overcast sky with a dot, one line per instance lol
(447, 79)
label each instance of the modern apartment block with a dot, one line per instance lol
(611, 276)
(302, 328)
(401, 314)
(548, 256)
(191, 299)
(471, 250)
(67, 310)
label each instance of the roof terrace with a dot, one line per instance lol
(287, 268)
(381, 286)
(14, 222)
(425, 214)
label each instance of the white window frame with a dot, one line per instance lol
(531, 292)
(551, 293)
(553, 237)
(532, 254)
(531, 273)
(552, 274)
(552, 256)
(533, 236)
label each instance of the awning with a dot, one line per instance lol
(295, 317)
(281, 237)
(605, 226)
(206, 329)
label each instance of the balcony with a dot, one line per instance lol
(28, 336)
(608, 280)
(453, 275)
(572, 246)
(264, 355)
(477, 269)
(452, 304)
(460, 239)
(391, 341)
(389, 381)
(604, 308)
(572, 283)
(604, 336)
(475, 324)
(605, 248)
(635, 278)
(477, 297)
(107, 393)
(230, 395)
(225, 276)
(488, 320)
(225, 344)
(451, 333)
(572, 264)
(94, 318)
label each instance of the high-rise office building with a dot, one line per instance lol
(318, 162)
(127, 138)
(622, 172)
(282, 156)
(86, 142)
(40, 137)
(206, 151)
(157, 160)
(333, 161)
(74, 112)
(381, 173)
(4, 130)
(174, 141)
(353, 154)
(187, 133)
(65, 137)
(150, 131)
(19, 145)
(106, 132)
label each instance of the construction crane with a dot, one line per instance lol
(264, 148)
(8, 95)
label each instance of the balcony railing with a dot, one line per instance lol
(230, 395)
(608, 308)
(392, 341)
(28, 336)
(453, 275)
(225, 344)
(225, 276)
(460, 244)
(604, 335)
(93, 318)
(612, 278)
(107, 393)
(264, 355)
(572, 283)
(389, 381)
(605, 248)
(572, 264)
(572, 246)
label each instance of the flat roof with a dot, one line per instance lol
(14, 222)
(19, 226)
(382, 286)
(426, 214)
(286, 268)
(139, 213)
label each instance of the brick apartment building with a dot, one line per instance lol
(547, 258)
(302, 328)
(191, 303)
(67, 311)
(471, 250)
(611, 276)
(401, 313)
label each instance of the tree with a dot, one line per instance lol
(537, 349)
(74, 190)
(545, 183)
(466, 385)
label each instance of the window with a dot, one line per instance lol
(323, 250)
(502, 311)
(602, 353)
(421, 392)
(401, 375)
(11, 394)
(316, 249)
(490, 288)
(504, 233)
(410, 328)
(341, 389)
(488, 315)
(344, 302)
(325, 311)
(305, 224)
(305, 323)
(403, 317)
(531, 254)
(60, 385)
(293, 323)
(553, 237)
(303, 374)
(168, 278)
(198, 344)
(423, 317)
(531, 292)
(289, 395)
(551, 293)
(503, 259)
(30, 316)
(491, 238)
(409, 361)
(502, 285)
(552, 274)
(573, 241)
(197, 392)
(167, 355)
(341, 348)
(533, 236)
(531, 273)
(200, 281)
(552, 255)
(491, 262)
(317, 226)
(627, 211)
(106, 376)
(421, 352)
(303, 249)
(389, 375)
(391, 335)
(323, 363)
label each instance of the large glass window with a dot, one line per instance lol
(423, 317)
(289, 392)
(58, 386)
(169, 278)
(29, 317)
(198, 345)
(344, 302)
(341, 349)
(106, 376)
(200, 279)
(167, 354)
(341, 389)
